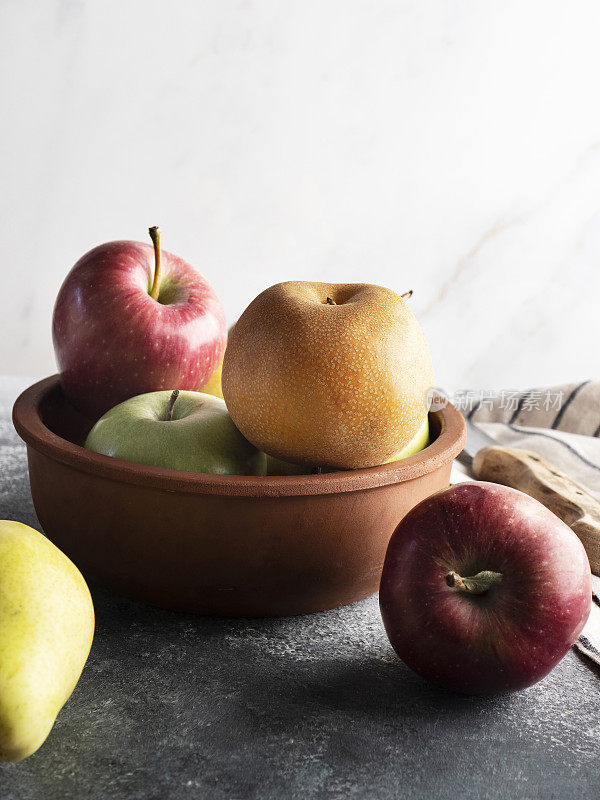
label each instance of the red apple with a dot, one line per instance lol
(483, 589)
(129, 320)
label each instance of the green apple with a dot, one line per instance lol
(46, 631)
(419, 442)
(275, 466)
(178, 430)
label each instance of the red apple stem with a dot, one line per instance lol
(154, 232)
(407, 295)
(170, 404)
(476, 584)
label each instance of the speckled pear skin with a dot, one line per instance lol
(419, 442)
(46, 632)
(342, 385)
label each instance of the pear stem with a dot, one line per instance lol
(476, 584)
(170, 404)
(407, 295)
(154, 232)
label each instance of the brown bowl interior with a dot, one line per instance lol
(213, 544)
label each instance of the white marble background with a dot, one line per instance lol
(449, 146)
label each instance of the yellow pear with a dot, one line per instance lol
(213, 384)
(46, 631)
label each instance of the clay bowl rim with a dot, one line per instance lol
(30, 427)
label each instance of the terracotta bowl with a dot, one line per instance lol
(220, 544)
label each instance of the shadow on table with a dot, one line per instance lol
(293, 661)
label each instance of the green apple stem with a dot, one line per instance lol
(170, 404)
(476, 584)
(154, 232)
(407, 295)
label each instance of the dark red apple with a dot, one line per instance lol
(483, 589)
(128, 320)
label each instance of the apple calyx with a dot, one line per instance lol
(170, 404)
(476, 584)
(154, 232)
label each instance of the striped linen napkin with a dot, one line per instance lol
(562, 424)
